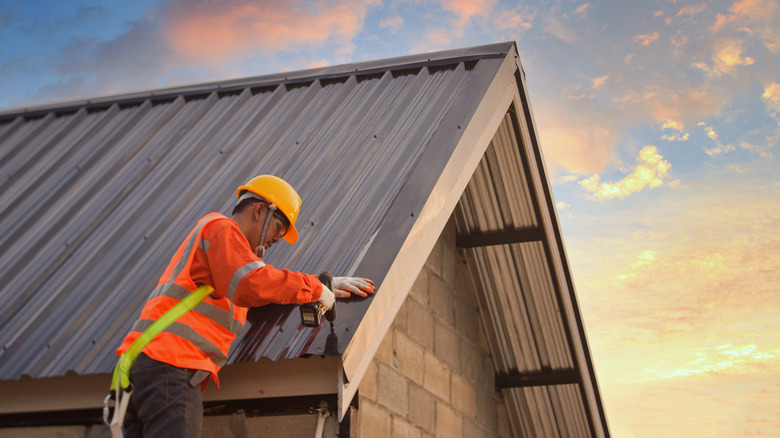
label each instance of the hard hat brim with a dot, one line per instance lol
(292, 235)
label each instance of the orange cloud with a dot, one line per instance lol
(466, 9)
(771, 96)
(598, 82)
(673, 124)
(213, 32)
(727, 58)
(646, 40)
(692, 10)
(745, 9)
(582, 8)
(652, 171)
(575, 144)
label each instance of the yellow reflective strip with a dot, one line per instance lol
(188, 333)
(239, 275)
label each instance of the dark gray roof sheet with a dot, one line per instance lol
(96, 197)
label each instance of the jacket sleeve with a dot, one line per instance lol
(242, 277)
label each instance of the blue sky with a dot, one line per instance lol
(658, 122)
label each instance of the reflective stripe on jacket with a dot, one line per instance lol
(215, 253)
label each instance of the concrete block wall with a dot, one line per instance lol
(433, 375)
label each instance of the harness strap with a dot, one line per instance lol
(127, 358)
(121, 390)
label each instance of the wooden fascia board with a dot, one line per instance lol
(244, 381)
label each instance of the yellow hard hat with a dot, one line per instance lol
(281, 194)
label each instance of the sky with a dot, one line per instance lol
(659, 123)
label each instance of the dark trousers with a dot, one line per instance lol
(166, 401)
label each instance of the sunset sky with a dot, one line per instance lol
(659, 121)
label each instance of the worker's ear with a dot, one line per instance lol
(258, 212)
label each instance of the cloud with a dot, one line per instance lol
(728, 56)
(692, 10)
(673, 124)
(645, 40)
(740, 11)
(771, 97)
(582, 8)
(555, 27)
(684, 137)
(394, 23)
(465, 10)
(598, 82)
(211, 32)
(575, 143)
(652, 171)
(720, 148)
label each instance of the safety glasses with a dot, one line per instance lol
(283, 222)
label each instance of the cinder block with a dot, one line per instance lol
(472, 364)
(419, 290)
(404, 429)
(467, 321)
(367, 389)
(392, 390)
(374, 421)
(464, 396)
(449, 256)
(436, 377)
(441, 303)
(447, 345)
(434, 258)
(422, 408)
(466, 289)
(410, 357)
(449, 423)
(385, 352)
(487, 416)
(473, 430)
(421, 329)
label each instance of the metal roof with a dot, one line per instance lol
(96, 195)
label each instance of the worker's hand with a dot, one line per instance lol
(352, 285)
(327, 299)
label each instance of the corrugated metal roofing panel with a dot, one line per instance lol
(95, 200)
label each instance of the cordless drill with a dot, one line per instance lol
(311, 313)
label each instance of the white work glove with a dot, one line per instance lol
(327, 299)
(352, 285)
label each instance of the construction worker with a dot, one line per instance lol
(225, 253)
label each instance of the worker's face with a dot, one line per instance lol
(276, 229)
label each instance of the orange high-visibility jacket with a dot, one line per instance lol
(215, 253)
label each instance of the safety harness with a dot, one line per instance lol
(121, 388)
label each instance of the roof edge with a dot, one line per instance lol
(362, 68)
(431, 220)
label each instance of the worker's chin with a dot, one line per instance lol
(259, 251)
